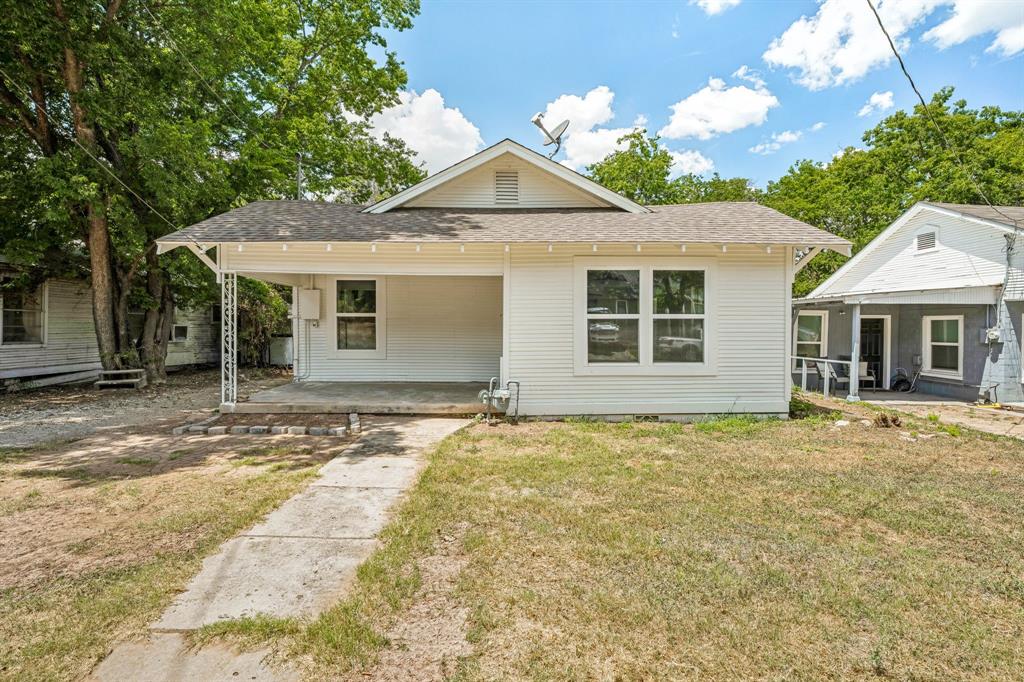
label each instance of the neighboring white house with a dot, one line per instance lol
(47, 335)
(510, 265)
(941, 290)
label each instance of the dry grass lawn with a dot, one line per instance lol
(729, 549)
(97, 536)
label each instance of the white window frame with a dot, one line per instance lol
(926, 351)
(823, 344)
(925, 229)
(44, 301)
(380, 287)
(646, 365)
(174, 333)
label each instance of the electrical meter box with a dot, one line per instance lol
(309, 304)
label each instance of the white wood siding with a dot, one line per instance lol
(444, 328)
(537, 189)
(203, 342)
(70, 336)
(968, 255)
(752, 322)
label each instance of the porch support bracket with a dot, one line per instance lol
(807, 257)
(229, 338)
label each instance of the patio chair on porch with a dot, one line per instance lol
(865, 374)
(834, 379)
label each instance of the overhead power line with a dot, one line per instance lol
(928, 113)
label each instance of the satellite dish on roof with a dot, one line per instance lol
(552, 137)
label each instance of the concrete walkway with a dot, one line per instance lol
(299, 561)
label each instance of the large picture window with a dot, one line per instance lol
(23, 319)
(643, 317)
(358, 317)
(943, 346)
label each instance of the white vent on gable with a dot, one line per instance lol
(925, 241)
(506, 187)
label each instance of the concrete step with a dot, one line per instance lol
(137, 371)
(121, 383)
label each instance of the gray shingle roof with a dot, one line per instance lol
(295, 221)
(985, 213)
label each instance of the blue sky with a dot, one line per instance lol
(479, 70)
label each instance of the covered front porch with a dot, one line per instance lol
(367, 397)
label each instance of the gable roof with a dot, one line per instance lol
(311, 221)
(973, 212)
(507, 146)
(998, 214)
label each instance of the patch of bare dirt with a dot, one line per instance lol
(119, 498)
(430, 637)
(67, 412)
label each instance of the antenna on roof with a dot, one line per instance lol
(554, 137)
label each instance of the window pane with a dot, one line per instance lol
(808, 350)
(357, 296)
(946, 357)
(22, 326)
(679, 340)
(357, 333)
(678, 292)
(613, 292)
(808, 328)
(946, 331)
(613, 340)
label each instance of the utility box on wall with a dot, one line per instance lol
(309, 304)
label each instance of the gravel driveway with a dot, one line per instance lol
(71, 412)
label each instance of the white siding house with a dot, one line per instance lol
(508, 265)
(937, 294)
(48, 335)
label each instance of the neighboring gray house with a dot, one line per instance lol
(941, 290)
(47, 335)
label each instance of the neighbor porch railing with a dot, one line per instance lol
(827, 378)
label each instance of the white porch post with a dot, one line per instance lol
(506, 322)
(229, 338)
(854, 353)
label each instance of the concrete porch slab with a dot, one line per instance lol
(367, 397)
(293, 576)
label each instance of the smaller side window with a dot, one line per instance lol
(811, 337)
(179, 333)
(23, 319)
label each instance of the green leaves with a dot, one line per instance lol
(905, 160)
(643, 171)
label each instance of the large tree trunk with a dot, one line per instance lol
(156, 329)
(104, 288)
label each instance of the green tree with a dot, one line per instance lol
(197, 106)
(904, 160)
(643, 172)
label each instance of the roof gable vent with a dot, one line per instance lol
(926, 241)
(506, 187)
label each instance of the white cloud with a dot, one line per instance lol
(716, 109)
(842, 41)
(748, 74)
(879, 101)
(585, 142)
(972, 18)
(712, 7)
(817, 126)
(690, 161)
(439, 135)
(775, 143)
